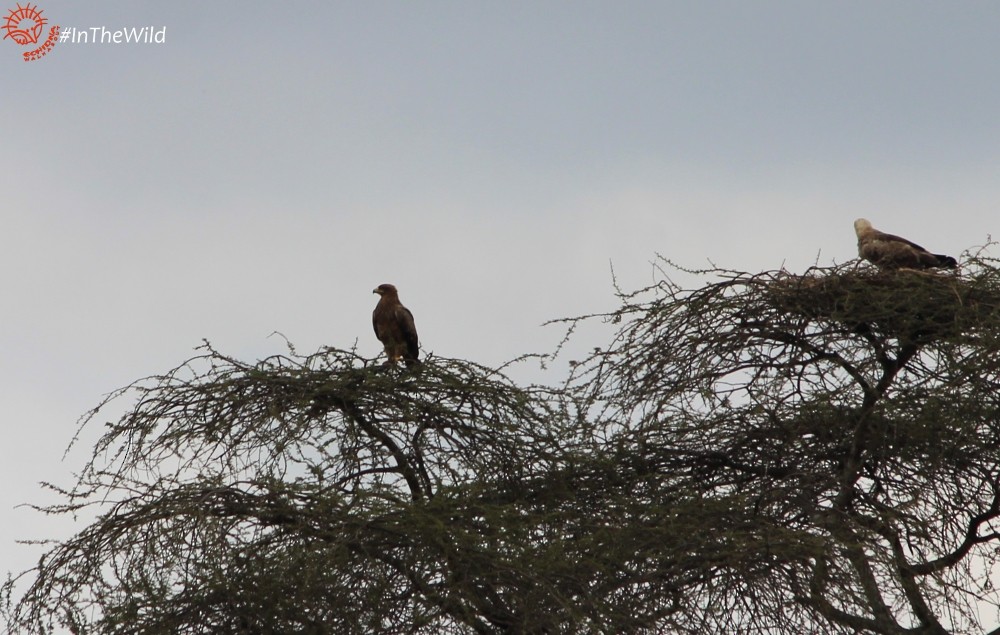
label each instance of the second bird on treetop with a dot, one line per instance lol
(394, 327)
(887, 251)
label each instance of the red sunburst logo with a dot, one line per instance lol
(24, 24)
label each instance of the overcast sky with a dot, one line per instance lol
(269, 164)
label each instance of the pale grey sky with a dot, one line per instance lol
(269, 164)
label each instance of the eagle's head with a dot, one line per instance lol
(862, 225)
(385, 289)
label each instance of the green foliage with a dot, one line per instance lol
(766, 453)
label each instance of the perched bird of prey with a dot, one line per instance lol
(394, 327)
(892, 252)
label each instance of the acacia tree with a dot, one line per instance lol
(767, 453)
(848, 418)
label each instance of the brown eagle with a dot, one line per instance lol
(394, 327)
(892, 252)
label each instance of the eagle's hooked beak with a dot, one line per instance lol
(376, 291)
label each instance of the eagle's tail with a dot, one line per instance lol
(946, 262)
